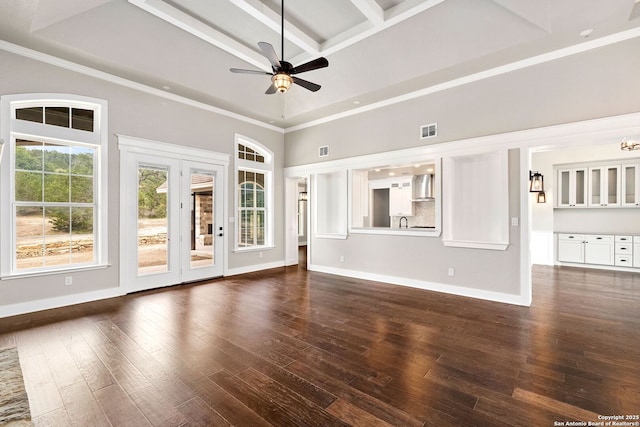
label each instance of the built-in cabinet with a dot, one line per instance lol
(400, 193)
(624, 251)
(572, 188)
(598, 185)
(604, 186)
(599, 249)
(631, 185)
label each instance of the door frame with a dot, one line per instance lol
(291, 219)
(132, 145)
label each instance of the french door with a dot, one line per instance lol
(172, 230)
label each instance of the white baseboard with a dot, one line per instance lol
(57, 302)
(252, 268)
(430, 286)
(598, 266)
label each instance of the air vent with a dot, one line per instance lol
(324, 151)
(428, 131)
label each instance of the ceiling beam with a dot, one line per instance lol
(203, 31)
(271, 19)
(371, 10)
(393, 16)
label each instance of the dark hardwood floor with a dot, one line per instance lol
(295, 348)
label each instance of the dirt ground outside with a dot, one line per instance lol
(58, 250)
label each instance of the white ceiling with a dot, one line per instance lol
(377, 49)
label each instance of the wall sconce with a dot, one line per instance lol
(536, 182)
(302, 196)
(536, 185)
(542, 198)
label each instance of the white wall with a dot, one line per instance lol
(142, 115)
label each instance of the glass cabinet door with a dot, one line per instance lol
(630, 185)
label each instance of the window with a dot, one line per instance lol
(254, 195)
(53, 183)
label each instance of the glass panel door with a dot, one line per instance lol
(150, 239)
(201, 221)
(172, 221)
(153, 219)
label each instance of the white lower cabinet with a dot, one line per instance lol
(624, 251)
(571, 248)
(599, 249)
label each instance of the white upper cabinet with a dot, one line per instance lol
(615, 184)
(572, 188)
(604, 186)
(400, 194)
(631, 185)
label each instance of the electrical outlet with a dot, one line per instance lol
(514, 222)
(341, 258)
(260, 255)
(452, 272)
(68, 281)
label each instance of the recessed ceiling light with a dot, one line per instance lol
(377, 170)
(430, 170)
(417, 166)
(356, 102)
(586, 33)
(272, 121)
(166, 87)
(392, 173)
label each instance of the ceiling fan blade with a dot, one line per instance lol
(270, 90)
(241, 71)
(269, 52)
(311, 65)
(306, 84)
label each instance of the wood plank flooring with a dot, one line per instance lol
(289, 347)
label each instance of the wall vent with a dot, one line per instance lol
(324, 151)
(428, 131)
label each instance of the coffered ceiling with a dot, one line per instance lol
(377, 49)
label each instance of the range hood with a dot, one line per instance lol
(423, 187)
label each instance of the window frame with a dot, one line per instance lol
(13, 129)
(265, 168)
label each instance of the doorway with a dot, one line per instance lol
(171, 220)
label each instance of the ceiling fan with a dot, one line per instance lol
(282, 76)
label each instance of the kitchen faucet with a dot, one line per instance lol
(406, 222)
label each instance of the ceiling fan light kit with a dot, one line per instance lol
(281, 77)
(281, 82)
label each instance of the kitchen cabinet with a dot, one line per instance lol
(571, 248)
(630, 185)
(624, 251)
(599, 249)
(604, 186)
(400, 193)
(572, 188)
